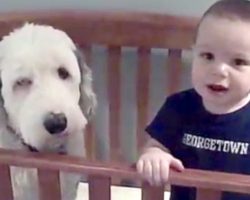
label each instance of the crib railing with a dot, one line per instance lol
(209, 184)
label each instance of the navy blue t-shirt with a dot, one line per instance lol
(202, 140)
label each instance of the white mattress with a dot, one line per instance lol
(117, 193)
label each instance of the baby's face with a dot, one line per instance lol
(221, 64)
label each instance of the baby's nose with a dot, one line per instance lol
(220, 69)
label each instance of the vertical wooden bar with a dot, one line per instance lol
(114, 95)
(151, 192)
(49, 185)
(99, 188)
(90, 136)
(206, 194)
(90, 142)
(6, 192)
(87, 53)
(143, 77)
(173, 70)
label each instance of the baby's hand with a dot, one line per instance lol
(154, 165)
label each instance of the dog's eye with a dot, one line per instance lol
(63, 73)
(23, 82)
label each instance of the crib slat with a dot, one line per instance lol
(143, 76)
(90, 135)
(173, 70)
(90, 142)
(6, 192)
(99, 188)
(207, 194)
(114, 88)
(150, 192)
(49, 184)
(87, 53)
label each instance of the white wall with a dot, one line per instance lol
(185, 7)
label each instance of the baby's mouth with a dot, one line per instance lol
(217, 88)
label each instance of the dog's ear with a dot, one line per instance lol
(88, 98)
(3, 115)
(5, 130)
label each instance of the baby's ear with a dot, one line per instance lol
(88, 100)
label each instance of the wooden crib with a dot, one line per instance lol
(115, 30)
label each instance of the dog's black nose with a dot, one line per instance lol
(55, 123)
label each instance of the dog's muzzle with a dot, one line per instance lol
(61, 150)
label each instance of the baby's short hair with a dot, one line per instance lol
(230, 9)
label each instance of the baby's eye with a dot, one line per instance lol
(207, 56)
(240, 62)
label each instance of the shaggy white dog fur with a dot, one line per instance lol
(46, 98)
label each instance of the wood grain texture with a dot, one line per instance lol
(207, 194)
(150, 193)
(142, 93)
(174, 71)
(111, 28)
(49, 184)
(99, 188)
(6, 192)
(114, 99)
(190, 178)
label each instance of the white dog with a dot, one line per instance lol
(46, 98)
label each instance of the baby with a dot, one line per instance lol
(207, 127)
